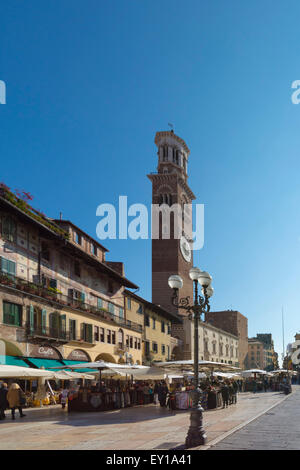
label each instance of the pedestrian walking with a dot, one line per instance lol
(162, 393)
(151, 394)
(146, 394)
(231, 393)
(64, 397)
(235, 391)
(225, 394)
(156, 388)
(3, 400)
(16, 399)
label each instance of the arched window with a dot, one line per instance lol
(165, 153)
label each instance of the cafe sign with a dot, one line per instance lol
(46, 352)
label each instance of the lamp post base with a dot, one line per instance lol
(196, 434)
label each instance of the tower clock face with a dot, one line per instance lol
(185, 249)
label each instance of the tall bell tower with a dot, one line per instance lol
(169, 186)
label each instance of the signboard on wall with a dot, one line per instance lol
(47, 352)
(78, 355)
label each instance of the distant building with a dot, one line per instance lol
(235, 323)
(270, 356)
(256, 354)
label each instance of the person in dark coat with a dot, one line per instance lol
(162, 393)
(235, 391)
(225, 394)
(3, 400)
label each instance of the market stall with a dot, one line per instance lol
(118, 386)
(210, 383)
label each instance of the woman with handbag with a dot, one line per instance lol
(16, 399)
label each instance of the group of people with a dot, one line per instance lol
(12, 398)
(229, 390)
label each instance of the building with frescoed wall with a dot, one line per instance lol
(59, 297)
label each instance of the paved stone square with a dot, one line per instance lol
(138, 428)
(277, 429)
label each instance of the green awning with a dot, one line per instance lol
(13, 361)
(44, 363)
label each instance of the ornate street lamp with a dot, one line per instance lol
(196, 434)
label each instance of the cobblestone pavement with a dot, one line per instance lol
(138, 428)
(278, 429)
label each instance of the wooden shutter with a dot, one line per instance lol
(90, 333)
(31, 318)
(44, 321)
(62, 324)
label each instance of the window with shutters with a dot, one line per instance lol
(111, 308)
(8, 267)
(147, 320)
(162, 326)
(102, 335)
(99, 303)
(108, 335)
(54, 323)
(121, 312)
(128, 303)
(96, 333)
(131, 342)
(113, 337)
(147, 348)
(73, 329)
(153, 323)
(154, 347)
(9, 229)
(12, 314)
(87, 332)
(127, 341)
(163, 349)
(62, 326)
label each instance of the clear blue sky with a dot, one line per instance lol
(90, 82)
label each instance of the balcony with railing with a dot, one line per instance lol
(56, 335)
(56, 297)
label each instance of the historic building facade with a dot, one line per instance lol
(215, 345)
(59, 297)
(158, 344)
(235, 323)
